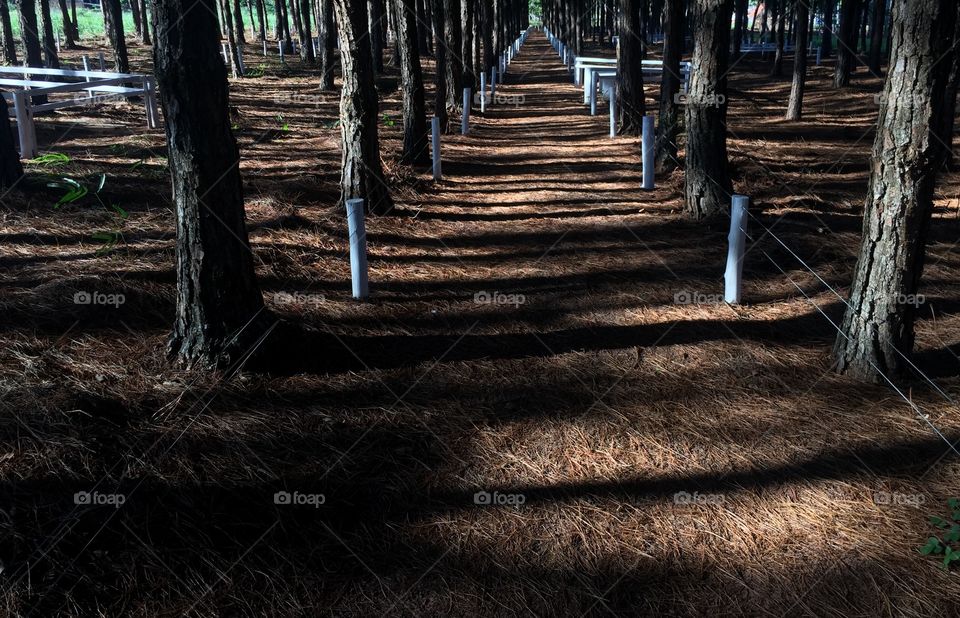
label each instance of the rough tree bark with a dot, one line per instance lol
(453, 37)
(306, 36)
(845, 43)
(440, 72)
(49, 42)
(9, 44)
(31, 40)
(877, 331)
(795, 104)
(826, 31)
(68, 40)
(669, 119)
(876, 36)
(375, 39)
(113, 23)
(145, 31)
(707, 183)
(777, 69)
(415, 148)
(219, 305)
(630, 51)
(328, 36)
(11, 170)
(361, 171)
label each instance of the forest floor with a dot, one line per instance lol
(540, 331)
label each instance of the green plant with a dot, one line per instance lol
(388, 121)
(76, 191)
(51, 159)
(284, 126)
(946, 542)
(260, 71)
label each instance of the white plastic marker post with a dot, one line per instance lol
(58, 42)
(280, 48)
(732, 279)
(493, 83)
(647, 152)
(223, 50)
(358, 249)
(435, 130)
(465, 121)
(86, 67)
(483, 92)
(592, 86)
(264, 48)
(612, 92)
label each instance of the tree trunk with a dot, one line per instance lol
(239, 35)
(877, 330)
(9, 44)
(31, 42)
(795, 105)
(49, 42)
(68, 41)
(374, 40)
(845, 43)
(707, 184)
(826, 32)
(630, 95)
(328, 35)
(440, 77)
(232, 51)
(261, 20)
(145, 31)
(777, 69)
(454, 67)
(362, 174)
(219, 305)
(739, 26)
(113, 22)
(306, 36)
(876, 36)
(11, 170)
(489, 55)
(135, 12)
(415, 148)
(467, 8)
(669, 121)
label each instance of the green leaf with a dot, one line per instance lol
(51, 158)
(954, 535)
(950, 556)
(932, 546)
(954, 503)
(939, 522)
(123, 213)
(103, 181)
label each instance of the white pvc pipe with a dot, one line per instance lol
(733, 277)
(280, 48)
(465, 120)
(264, 48)
(435, 130)
(592, 85)
(358, 249)
(613, 110)
(647, 153)
(483, 92)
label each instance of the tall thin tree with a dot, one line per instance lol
(630, 52)
(795, 104)
(361, 173)
(219, 308)
(669, 118)
(877, 333)
(414, 107)
(707, 184)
